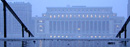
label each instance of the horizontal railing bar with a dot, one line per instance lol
(82, 39)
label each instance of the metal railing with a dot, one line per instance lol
(65, 42)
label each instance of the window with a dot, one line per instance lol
(66, 36)
(83, 26)
(58, 26)
(95, 26)
(99, 36)
(40, 21)
(50, 25)
(50, 16)
(54, 16)
(107, 15)
(78, 28)
(50, 36)
(95, 36)
(54, 36)
(103, 26)
(62, 36)
(107, 25)
(91, 36)
(91, 16)
(70, 26)
(79, 36)
(40, 26)
(58, 15)
(83, 15)
(78, 15)
(41, 30)
(74, 26)
(103, 16)
(66, 26)
(117, 26)
(87, 26)
(91, 25)
(44, 15)
(99, 25)
(58, 36)
(70, 16)
(79, 25)
(87, 16)
(54, 25)
(62, 26)
(62, 15)
(66, 15)
(99, 16)
(95, 15)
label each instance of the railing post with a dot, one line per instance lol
(120, 36)
(22, 31)
(4, 11)
(125, 33)
(22, 35)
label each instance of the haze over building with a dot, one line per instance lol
(77, 22)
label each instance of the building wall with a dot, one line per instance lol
(77, 22)
(13, 26)
(84, 22)
(1, 21)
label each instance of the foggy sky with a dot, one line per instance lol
(39, 6)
